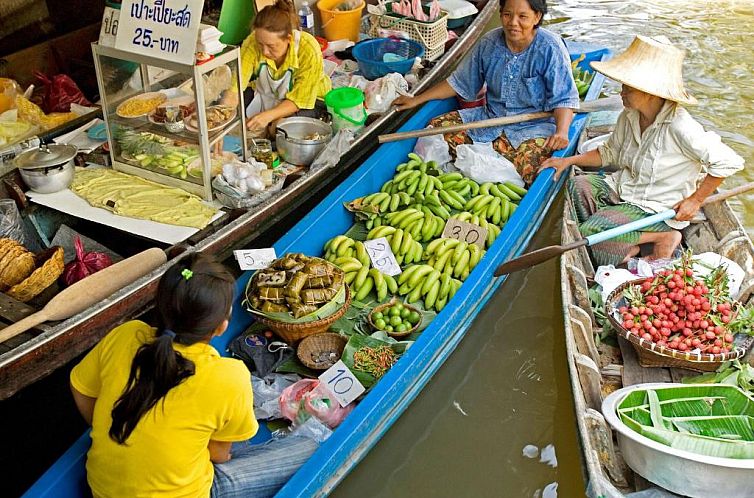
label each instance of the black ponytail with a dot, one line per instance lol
(193, 299)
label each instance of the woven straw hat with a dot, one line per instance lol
(652, 65)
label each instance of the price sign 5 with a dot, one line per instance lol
(382, 256)
(467, 232)
(254, 259)
(166, 29)
(341, 382)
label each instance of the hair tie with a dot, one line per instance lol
(187, 274)
(169, 333)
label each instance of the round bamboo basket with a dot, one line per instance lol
(314, 345)
(16, 263)
(654, 355)
(294, 332)
(50, 265)
(387, 305)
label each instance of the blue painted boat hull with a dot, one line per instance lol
(374, 415)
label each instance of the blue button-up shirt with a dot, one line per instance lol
(537, 79)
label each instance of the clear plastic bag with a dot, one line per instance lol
(334, 150)
(267, 393)
(11, 226)
(482, 164)
(380, 93)
(433, 148)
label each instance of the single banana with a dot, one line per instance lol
(379, 283)
(431, 296)
(365, 289)
(392, 285)
(361, 277)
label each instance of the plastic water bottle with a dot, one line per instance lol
(306, 17)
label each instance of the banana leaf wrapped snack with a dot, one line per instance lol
(296, 288)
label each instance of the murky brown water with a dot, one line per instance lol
(506, 386)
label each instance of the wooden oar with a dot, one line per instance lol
(90, 291)
(606, 104)
(541, 255)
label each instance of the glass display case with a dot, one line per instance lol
(166, 121)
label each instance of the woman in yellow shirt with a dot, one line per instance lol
(283, 65)
(164, 406)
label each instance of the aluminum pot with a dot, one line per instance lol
(47, 169)
(299, 139)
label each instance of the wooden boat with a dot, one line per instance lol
(372, 417)
(596, 371)
(33, 355)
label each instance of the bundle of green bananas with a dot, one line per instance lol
(415, 162)
(456, 182)
(340, 245)
(491, 208)
(386, 202)
(405, 248)
(419, 281)
(453, 256)
(365, 280)
(492, 230)
(421, 223)
(507, 190)
(431, 202)
(412, 181)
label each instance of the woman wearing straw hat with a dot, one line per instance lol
(526, 69)
(664, 158)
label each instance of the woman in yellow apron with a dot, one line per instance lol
(283, 65)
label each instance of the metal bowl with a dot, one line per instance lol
(293, 143)
(679, 471)
(47, 169)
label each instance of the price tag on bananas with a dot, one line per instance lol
(254, 259)
(382, 256)
(342, 383)
(466, 232)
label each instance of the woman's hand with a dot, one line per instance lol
(557, 141)
(559, 164)
(687, 208)
(404, 102)
(258, 121)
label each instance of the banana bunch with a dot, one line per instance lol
(492, 208)
(456, 182)
(358, 275)
(492, 230)
(506, 191)
(453, 256)
(419, 281)
(340, 245)
(405, 248)
(431, 202)
(386, 202)
(415, 162)
(422, 224)
(412, 181)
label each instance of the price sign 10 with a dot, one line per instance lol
(341, 382)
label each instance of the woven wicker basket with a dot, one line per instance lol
(16, 263)
(50, 266)
(387, 305)
(294, 332)
(654, 355)
(314, 345)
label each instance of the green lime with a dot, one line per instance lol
(380, 323)
(414, 318)
(401, 327)
(395, 321)
(399, 306)
(376, 316)
(389, 328)
(394, 311)
(405, 312)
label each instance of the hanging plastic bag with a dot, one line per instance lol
(308, 398)
(334, 150)
(482, 164)
(433, 148)
(380, 93)
(60, 92)
(10, 222)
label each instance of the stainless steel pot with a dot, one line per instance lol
(299, 139)
(47, 169)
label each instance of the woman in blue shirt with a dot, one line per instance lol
(526, 69)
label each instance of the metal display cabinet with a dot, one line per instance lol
(143, 147)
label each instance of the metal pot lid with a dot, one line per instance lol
(46, 156)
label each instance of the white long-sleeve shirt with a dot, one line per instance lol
(662, 166)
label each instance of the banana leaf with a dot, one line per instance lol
(714, 420)
(378, 339)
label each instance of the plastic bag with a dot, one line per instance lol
(433, 148)
(10, 222)
(60, 92)
(380, 93)
(610, 277)
(308, 398)
(334, 150)
(482, 164)
(267, 393)
(8, 91)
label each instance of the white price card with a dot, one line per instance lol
(467, 232)
(165, 29)
(254, 259)
(382, 256)
(342, 383)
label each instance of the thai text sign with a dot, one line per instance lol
(165, 29)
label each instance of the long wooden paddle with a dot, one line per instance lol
(606, 104)
(541, 255)
(89, 291)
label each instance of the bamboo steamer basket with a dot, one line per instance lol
(654, 355)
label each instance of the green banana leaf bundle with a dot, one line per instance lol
(376, 340)
(712, 419)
